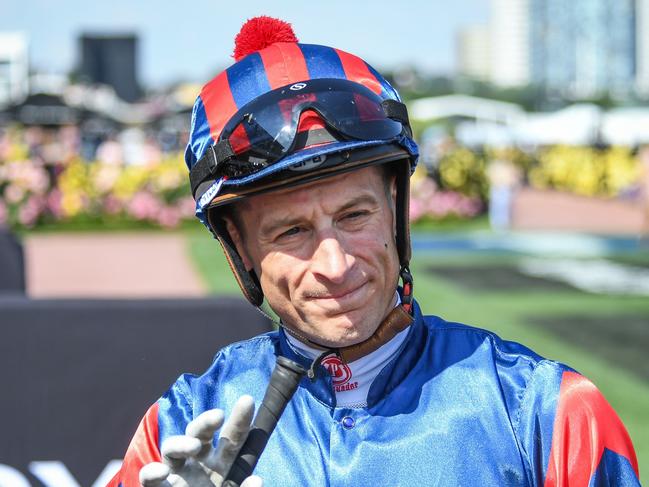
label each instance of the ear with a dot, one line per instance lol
(237, 238)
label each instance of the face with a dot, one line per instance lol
(325, 254)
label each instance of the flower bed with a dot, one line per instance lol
(429, 202)
(586, 171)
(34, 194)
(40, 189)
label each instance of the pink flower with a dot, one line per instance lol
(144, 206)
(187, 207)
(417, 209)
(427, 199)
(53, 203)
(29, 212)
(112, 205)
(168, 217)
(36, 179)
(14, 194)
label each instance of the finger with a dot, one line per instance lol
(155, 475)
(233, 434)
(180, 481)
(176, 449)
(253, 481)
(237, 426)
(203, 427)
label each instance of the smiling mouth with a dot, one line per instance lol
(342, 295)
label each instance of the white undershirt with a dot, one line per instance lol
(352, 382)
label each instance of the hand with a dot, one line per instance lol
(191, 461)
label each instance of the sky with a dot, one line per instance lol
(193, 40)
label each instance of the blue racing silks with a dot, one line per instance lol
(457, 406)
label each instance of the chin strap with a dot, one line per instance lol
(313, 369)
(395, 322)
(406, 278)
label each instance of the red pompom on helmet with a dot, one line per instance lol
(260, 32)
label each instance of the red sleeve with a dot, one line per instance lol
(142, 450)
(585, 427)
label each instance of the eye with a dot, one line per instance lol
(354, 214)
(290, 232)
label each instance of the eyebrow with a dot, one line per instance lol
(365, 198)
(290, 221)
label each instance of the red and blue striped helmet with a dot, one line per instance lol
(265, 67)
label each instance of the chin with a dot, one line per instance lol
(337, 342)
(343, 331)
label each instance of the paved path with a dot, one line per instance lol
(107, 265)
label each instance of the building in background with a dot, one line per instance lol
(578, 49)
(642, 47)
(473, 52)
(509, 28)
(111, 60)
(14, 68)
(583, 48)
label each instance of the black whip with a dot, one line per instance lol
(283, 383)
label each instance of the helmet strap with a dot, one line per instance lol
(406, 298)
(397, 320)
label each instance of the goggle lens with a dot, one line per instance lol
(267, 127)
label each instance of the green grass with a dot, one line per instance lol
(507, 314)
(210, 262)
(451, 224)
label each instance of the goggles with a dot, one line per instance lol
(267, 129)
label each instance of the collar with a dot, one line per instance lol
(352, 381)
(392, 374)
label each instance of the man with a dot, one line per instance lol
(299, 161)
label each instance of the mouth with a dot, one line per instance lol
(338, 296)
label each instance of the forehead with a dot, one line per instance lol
(330, 191)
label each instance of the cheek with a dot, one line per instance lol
(378, 249)
(376, 242)
(279, 274)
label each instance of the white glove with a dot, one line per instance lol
(191, 461)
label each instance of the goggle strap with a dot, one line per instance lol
(210, 165)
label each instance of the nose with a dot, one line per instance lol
(330, 260)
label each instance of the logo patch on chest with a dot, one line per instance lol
(340, 372)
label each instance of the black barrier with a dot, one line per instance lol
(12, 269)
(79, 374)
